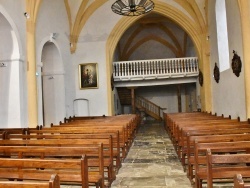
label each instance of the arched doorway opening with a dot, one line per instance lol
(153, 37)
(195, 30)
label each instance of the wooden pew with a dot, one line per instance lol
(128, 118)
(209, 139)
(79, 139)
(171, 118)
(217, 147)
(219, 125)
(54, 182)
(225, 166)
(128, 132)
(128, 122)
(192, 118)
(68, 170)
(180, 140)
(122, 136)
(100, 162)
(94, 155)
(113, 137)
(131, 121)
(239, 183)
(185, 140)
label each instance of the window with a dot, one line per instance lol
(222, 35)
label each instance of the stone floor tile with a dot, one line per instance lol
(151, 162)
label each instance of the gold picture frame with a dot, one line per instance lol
(88, 76)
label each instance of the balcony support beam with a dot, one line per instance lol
(179, 97)
(132, 89)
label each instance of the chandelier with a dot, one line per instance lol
(132, 7)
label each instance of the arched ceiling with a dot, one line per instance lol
(158, 29)
(79, 11)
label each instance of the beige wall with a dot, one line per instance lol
(229, 93)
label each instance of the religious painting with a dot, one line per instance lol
(88, 76)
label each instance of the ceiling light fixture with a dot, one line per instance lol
(132, 7)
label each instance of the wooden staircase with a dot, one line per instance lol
(124, 95)
(148, 107)
(141, 104)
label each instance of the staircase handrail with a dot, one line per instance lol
(148, 105)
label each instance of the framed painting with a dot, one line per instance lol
(88, 76)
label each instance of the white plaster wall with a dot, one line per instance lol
(152, 50)
(191, 51)
(12, 77)
(92, 52)
(228, 94)
(10, 111)
(91, 48)
(14, 10)
(52, 18)
(165, 96)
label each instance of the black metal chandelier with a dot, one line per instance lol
(132, 7)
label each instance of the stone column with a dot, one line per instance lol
(245, 22)
(32, 8)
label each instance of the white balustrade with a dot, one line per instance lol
(158, 68)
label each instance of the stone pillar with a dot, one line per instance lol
(32, 8)
(245, 22)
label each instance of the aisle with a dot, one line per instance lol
(151, 162)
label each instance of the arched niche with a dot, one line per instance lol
(51, 85)
(11, 75)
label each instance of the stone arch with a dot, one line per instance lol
(164, 9)
(50, 82)
(14, 35)
(11, 74)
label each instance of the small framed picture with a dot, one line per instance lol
(88, 76)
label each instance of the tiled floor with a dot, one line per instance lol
(151, 162)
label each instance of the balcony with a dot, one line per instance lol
(155, 72)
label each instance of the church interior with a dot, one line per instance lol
(138, 87)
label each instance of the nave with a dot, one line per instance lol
(151, 162)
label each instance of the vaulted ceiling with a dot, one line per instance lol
(79, 11)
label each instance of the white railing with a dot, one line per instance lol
(155, 69)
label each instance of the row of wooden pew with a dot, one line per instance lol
(83, 151)
(211, 148)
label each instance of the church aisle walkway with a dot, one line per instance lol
(151, 162)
